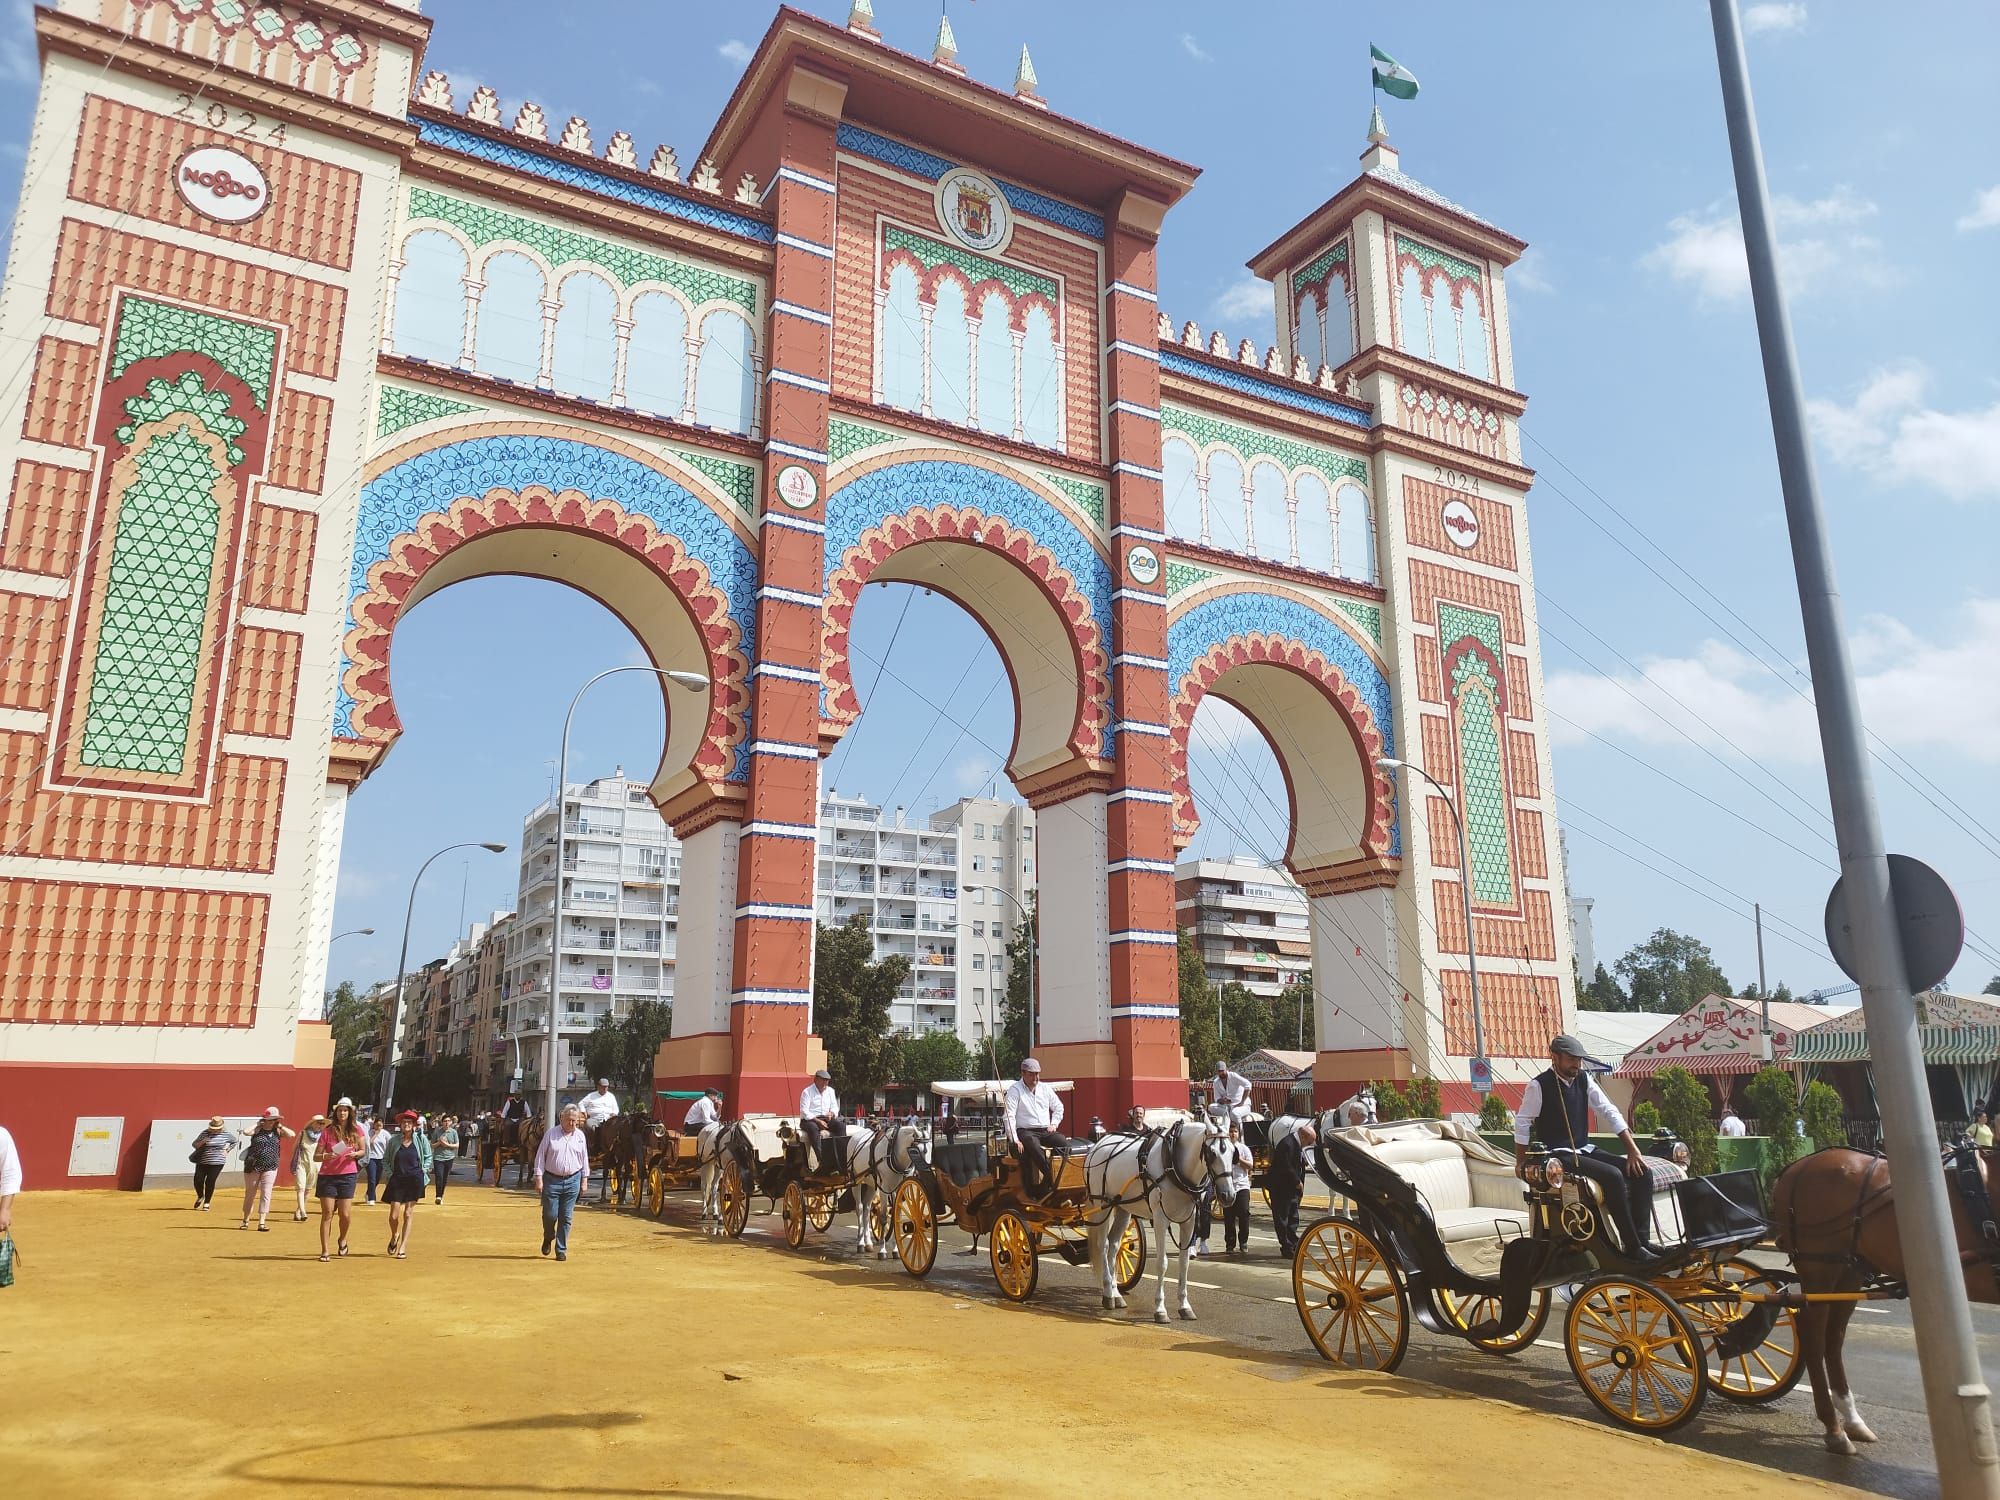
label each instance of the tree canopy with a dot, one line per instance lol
(852, 990)
(1670, 971)
(622, 1048)
(933, 1056)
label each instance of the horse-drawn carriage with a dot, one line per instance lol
(1441, 1230)
(499, 1140)
(975, 1184)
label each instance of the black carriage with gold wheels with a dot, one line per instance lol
(1441, 1231)
(765, 1156)
(975, 1184)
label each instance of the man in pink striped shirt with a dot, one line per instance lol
(562, 1172)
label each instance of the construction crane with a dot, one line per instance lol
(1820, 997)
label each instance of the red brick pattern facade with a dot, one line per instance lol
(278, 557)
(263, 682)
(59, 395)
(45, 518)
(30, 647)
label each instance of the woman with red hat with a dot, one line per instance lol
(409, 1157)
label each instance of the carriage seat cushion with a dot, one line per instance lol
(1457, 1189)
(961, 1161)
(1456, 1224)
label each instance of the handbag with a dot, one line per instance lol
(8, 1256)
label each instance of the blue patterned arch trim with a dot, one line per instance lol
(393, 502)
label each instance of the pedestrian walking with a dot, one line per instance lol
(1236, 1212)
(210, 1154)
(260, 1167)
(444, 1152)
(562, 1172)
(1285, 1183)
(378, 1148)
(342, 1147)
(10, 1179)
(305, 1168)
(1982, 1129)
(409, 1160)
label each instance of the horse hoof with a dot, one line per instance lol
(1861, 1432)
(1837, 1442)
(1107, 1303)
(1187, 1315)
(1160, 1316)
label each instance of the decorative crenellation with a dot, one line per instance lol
(1451, 419)
(1216, 346)
(281, 43)
(532, 122)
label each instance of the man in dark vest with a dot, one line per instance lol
(1285, 1180)
(1556, 1107)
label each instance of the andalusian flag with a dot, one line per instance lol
(1391, 77)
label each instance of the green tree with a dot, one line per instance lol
(1645, 1118)
(1293, 1025)
(622, 1048)
(1670, 971)
(1685, 1107)
(1493, 1114)
(1602, 993)
(1992, 986)
(438, 1083)
(354, 1019)
(1246, 1021)
(1825, 1116)
(1774, 1095)
(934, 1055)
(852, 990)
(1199, 1008)
(1416, 1100)
(1004, 1053)
(353, 1078)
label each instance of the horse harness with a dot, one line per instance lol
(1963, 1163)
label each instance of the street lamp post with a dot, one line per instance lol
(694, 682)
(351, 932)
(1482, 1070)
(385, 1094)
(1034, 949)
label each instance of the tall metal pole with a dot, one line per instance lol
(694, 681)
(1763, 984)
(386, 1087)
(1464, 894)
(1955, 1391)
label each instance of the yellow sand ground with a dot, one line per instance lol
(151, 1351)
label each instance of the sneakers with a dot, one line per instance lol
(548, 1237)
(562, 1255)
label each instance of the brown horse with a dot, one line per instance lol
(1836, 1219)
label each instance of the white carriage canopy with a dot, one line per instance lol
(1960, 1032)
(1721, 1035)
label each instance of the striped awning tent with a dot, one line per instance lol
(1720, 1035)
(1952, 1029)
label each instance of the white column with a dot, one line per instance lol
(758, 392)
(473, 287)
(692, 342)
(1062, 399)
(1201, 490)
(1074, 902)
(621, 336)
(319, 903)
(1292, 524)
(926, 311)
(972, 327)
(1249, 513)
(551, 306)
(706, 943)
(1357, 997)
(881, 314)
(1019, 337)
(389, 304)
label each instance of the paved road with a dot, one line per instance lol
(1249, 1303)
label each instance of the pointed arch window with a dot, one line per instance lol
(1355, 539)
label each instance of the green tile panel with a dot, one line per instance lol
(736, 480)
(1316, 270)
(845, 439)
(1429, 256)
(485, 226)
(148, 329)
(1184, 576)
(930, 253)
(1251, 445)
(1479, 729)
(397, 409)
(1367, 616)
(1089, 498)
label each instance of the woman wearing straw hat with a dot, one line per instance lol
(210, 1153)
(260, 1166)
(341, 1147)
(305, 1170)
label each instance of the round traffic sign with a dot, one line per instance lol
(1928, 919)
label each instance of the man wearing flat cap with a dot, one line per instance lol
(1556, 1108)
(819, 1116)
(1034, 1111)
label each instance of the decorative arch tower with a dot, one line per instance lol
(310, 340)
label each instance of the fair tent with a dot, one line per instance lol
(1721, 1035)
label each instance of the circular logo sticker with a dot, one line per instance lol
(972, 210)
(1461, 523)
(218, 183)
(797, 487)
(1144, 563)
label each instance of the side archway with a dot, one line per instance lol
(1320, 700)
(609, 521)
(1013, 560)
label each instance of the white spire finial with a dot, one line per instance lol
(861, 17)
(1380, 155)
(1378, 133)
(1027, 87)
(945, 53)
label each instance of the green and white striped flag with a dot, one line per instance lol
(1391, 77)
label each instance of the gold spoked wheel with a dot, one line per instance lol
(1350, 1296)
(1578, 1220)
(1470, 1312)
(1016, 1264)
(1636, 1353)
(916, 1228)
(1757, 1375)
(732, 1200)
(819, 1209)
(1128, 1261)
(795, 1215)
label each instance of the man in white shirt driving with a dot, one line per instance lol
(819, 1116)
(707, 1110)
(1556, 1107)
(1229, 1091)
(1034, 1111)
(599, 1105)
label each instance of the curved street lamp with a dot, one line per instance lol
(1027, 921)
(694, 682)
(385, 1094)
(1482, 1069)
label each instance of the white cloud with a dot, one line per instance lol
(1911, 687)
(1887, 432)
(1816, 238)
(1985, 211)
(1758, 19)
(1530, 273)
(734, 52)
(1246, 297)
(649, 86)
(1193, 48)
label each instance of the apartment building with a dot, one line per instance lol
(452, 1007)
(616, 902)
(1249, 922)
(996, 877)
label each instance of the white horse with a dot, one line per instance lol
(1358, 1109)
(879, 1161)
(1164, 1170)
(708, 1155)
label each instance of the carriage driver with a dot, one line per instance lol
(1556, 1107)
(1229, 1092)
(707, 1110)
(1033, 1113)
(819, 1115)
(599, 1105)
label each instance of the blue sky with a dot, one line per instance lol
(1686, 762)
